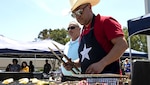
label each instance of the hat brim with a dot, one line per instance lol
(81, 2)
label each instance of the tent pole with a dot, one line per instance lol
(147, 10)
(148, 46)
(130, 54)
(35, 60)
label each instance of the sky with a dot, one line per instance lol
(22, 20)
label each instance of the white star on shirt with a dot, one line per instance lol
(85, 52)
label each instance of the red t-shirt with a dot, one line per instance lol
(105, 29)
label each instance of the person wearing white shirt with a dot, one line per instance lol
(71, 47)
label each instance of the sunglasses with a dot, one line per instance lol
(79, 12)
(72, 27)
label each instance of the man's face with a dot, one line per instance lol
(14, 62)
(73, 30)
(81, 13)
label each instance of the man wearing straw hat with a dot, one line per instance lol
(102, 40)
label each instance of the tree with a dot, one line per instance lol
(58, 35)
(138, 42)
(44, 34)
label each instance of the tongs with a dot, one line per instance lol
(75, 70)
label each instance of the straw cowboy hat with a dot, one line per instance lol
(76, 3)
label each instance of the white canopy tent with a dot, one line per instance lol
(35, 50)
(9, 46)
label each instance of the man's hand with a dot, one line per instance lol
(95, 68)
(68, 66)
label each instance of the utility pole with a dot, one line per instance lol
(147, 10)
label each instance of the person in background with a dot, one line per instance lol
(122, 67)
(127, 67)
(14, 67)
(24, 67)
(31, 66)
(47, 67)
(8, 67)
(102, 40)
(71, 47)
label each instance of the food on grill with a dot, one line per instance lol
(53, 83)
(34, 80)
(23, 80)
(41, 82)
(8, 81)
(83, 82)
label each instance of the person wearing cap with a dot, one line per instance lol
(102, 40)
(71, 47)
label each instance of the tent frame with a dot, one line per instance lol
(143, 27)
